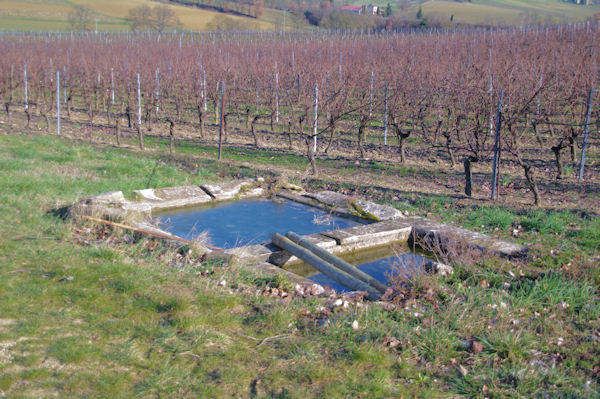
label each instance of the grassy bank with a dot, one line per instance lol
(91, 312)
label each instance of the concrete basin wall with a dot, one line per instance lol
(381, 225)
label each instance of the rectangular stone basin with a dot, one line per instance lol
(380, 263)
(249, 221)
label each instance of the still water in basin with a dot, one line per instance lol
(247, 222)
(381, 264)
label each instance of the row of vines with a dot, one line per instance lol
(309, 89)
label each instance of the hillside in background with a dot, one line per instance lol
(111, 15)
(449, 13)
(507, 12)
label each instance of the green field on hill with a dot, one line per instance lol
(43, 15)
(494, 12)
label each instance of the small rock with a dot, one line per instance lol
(317, 289)
(477, 347)
(292, 187)
(386, 305)
(392, 342)
(222, 283)
(299, 290)
(443, 269)
(355, 295)
(355, 325)
(323, 322)
(462, 369)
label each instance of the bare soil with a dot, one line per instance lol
(427, 171)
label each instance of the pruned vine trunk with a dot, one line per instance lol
(128, 114)
(171, 137)
(469, 175)
(247, 118)
(140, 136)
(361, 137)
(7, 108)
(289, 135)
(572, 147)
(556, 150)
(449, 148)
(402, 136)
(148, 116)
(253, 130)
(216, 111)
(118, 131)
(200, 120)
(528, 172)
(331, 135)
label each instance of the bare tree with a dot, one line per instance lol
(140, 18)
(158, 18)
(80, 19)
(164, 17)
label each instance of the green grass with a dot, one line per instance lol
(87, 315)
(502, 12)
(488, 218)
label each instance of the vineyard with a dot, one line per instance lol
(519, 97)
(466, 127)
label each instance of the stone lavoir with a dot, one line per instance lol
(241, 222)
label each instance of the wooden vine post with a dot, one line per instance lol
(496, 149)
(586, 133)
(112, 86)
(315, 123)
(276, 94)
(385, 116)
(58, 103)
(25, 88)
(139, 121)
(221, 123)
